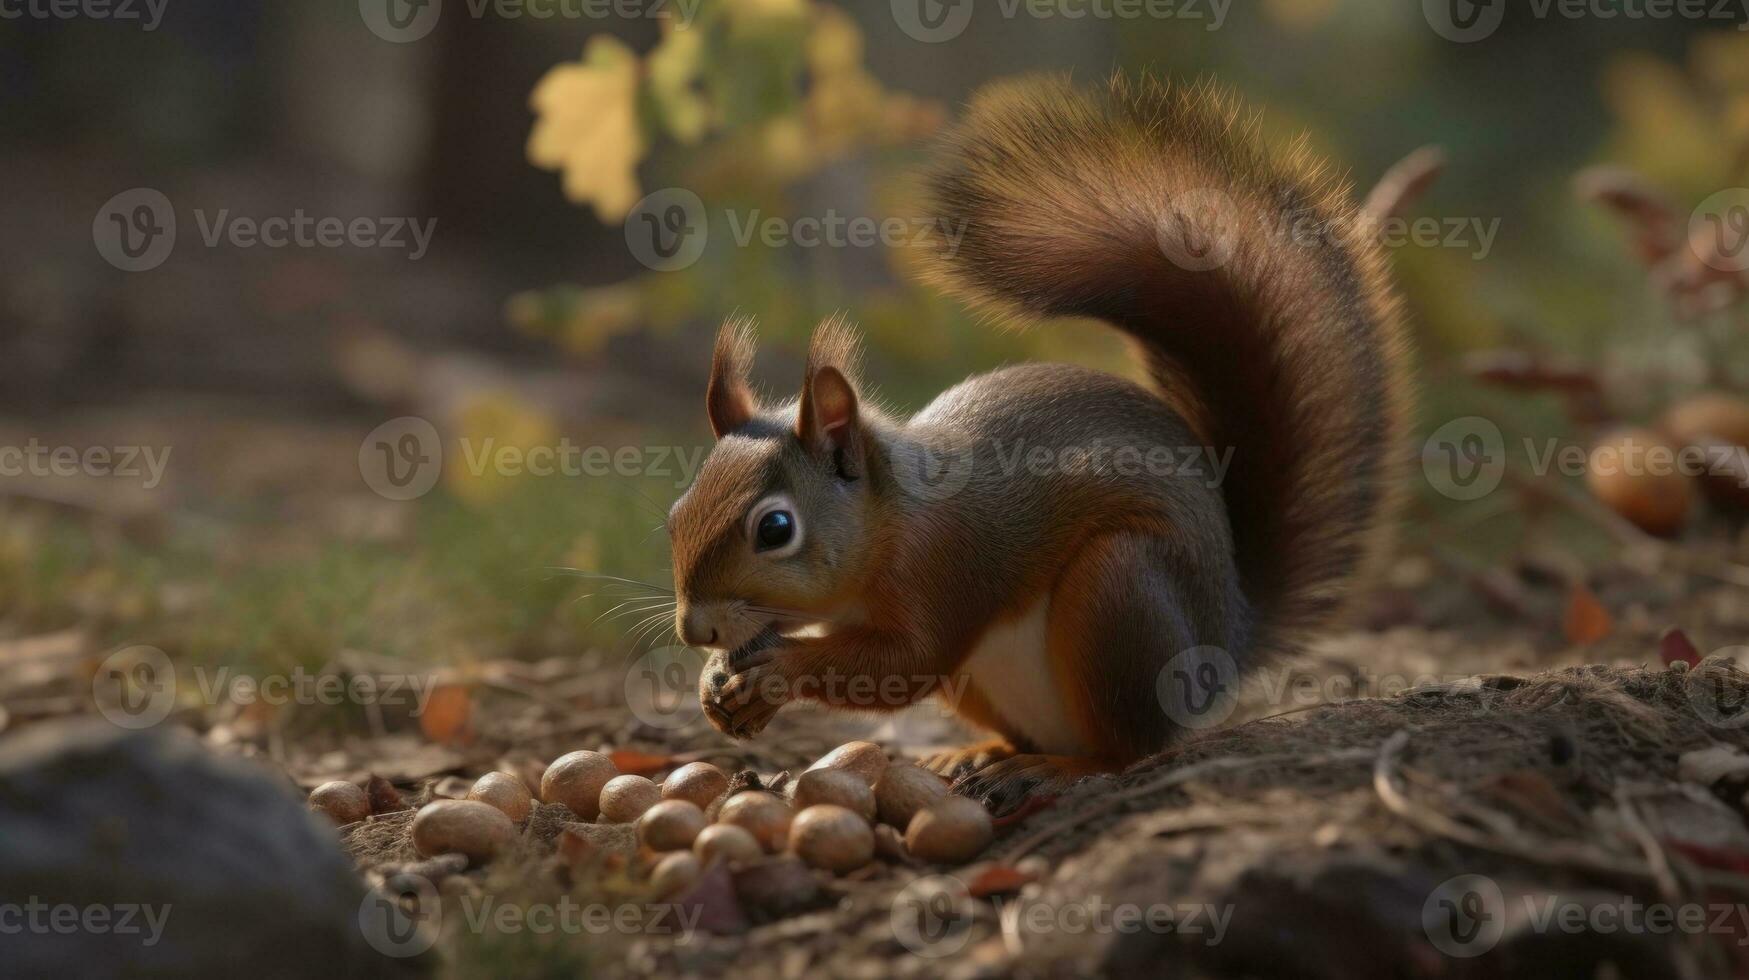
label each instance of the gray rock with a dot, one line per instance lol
(142, 854)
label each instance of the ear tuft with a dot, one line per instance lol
(729, 399)
(826, 416)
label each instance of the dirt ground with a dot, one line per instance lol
(1512, 771)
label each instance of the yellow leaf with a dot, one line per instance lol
(587, 127)
(496, 428)
(675, 65)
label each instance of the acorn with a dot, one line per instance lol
(903, 790)
(866, 759)
(478, 830)
(670, 825)
(726, 842)
(951, 831)
(832, 838)
(575, 779)
(765, 816)
(1717, 425)
(505, 791)
(676, 871)
(341, 801)
(1634, 472)
(625, 798)
(700, 783)
(839, 787)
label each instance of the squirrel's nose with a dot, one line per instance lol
(695, 631)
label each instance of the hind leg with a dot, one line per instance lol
(1142, 642)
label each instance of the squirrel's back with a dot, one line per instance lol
(1250, 281)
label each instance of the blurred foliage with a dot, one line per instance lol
(764, 108)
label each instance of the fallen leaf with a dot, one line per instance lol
(1675, 647)
(998, 879)
(1586, 621)
(448, 717)
(634, 763)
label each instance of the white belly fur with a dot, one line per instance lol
(1009, 668)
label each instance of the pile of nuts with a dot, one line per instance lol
(844, 810)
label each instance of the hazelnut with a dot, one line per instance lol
(506, 792)
(670, 825)
(478, 830)
(905, 789)
(1718, 425)
(831, 837)
(728, 843)
(341, 801)
(866, 759)
(575, 779)
(950, 831)
(1634, 473)
(839, 787)
(699, 783)
(625, 798)
(761, 814)
(675, 872)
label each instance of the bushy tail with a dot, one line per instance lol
(1249, 280)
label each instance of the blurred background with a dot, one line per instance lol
(500, 160)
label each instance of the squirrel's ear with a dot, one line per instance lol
(728, 398)
(826, 416)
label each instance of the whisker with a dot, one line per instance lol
(580, 573)
(664, 603)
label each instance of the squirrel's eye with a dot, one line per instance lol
(775, 530)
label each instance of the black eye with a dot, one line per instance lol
(775, 530)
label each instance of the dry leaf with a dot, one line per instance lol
(449, 715)
(1586, 621)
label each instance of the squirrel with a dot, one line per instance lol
(1056, 607)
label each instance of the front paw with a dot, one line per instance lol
(742, 689)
